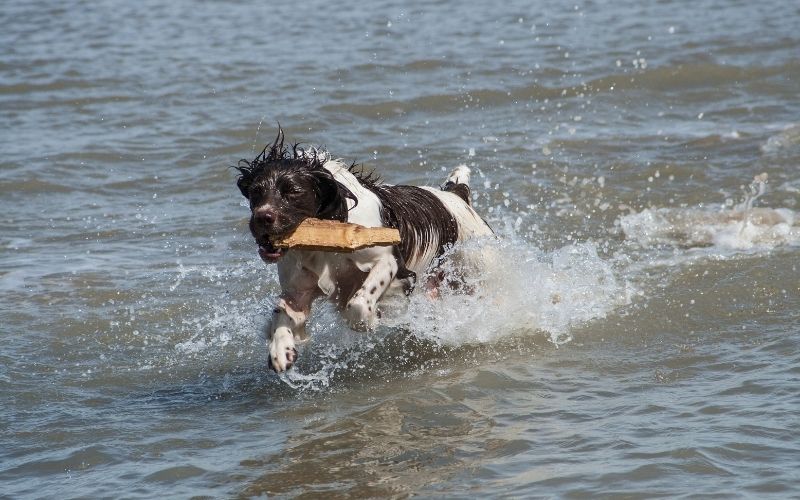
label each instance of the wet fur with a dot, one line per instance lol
(286, 185)
(279, 167)
(421, 218)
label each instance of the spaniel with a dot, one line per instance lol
(286, 185)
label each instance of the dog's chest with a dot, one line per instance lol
(336, 276)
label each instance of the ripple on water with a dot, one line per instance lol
(638, 338)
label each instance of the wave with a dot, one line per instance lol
(666, 78)
(787, 139)
(742, 227)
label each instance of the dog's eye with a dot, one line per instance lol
(291, 192)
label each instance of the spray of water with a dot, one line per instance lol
(512, 287)
(258, 130)
(502, 288)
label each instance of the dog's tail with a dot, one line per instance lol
(458, 183)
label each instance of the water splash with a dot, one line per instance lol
(742, 227)
(517, 289)
(258, 130)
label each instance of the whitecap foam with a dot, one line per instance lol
(742, 227)
(788, 138)
(760, 228)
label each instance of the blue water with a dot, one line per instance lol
(639, 337)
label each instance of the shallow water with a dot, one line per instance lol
(640, 335)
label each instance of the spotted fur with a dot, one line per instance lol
(285, 185)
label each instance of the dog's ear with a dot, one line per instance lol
(245, 178)
(243, 184)
(332, 196)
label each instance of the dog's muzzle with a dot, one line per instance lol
(269, 253)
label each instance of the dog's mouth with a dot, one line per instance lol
(268, 252)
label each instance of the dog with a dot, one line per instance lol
(286, 185)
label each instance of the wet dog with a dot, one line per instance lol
(287, 185)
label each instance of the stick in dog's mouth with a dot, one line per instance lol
(336, 236)
(326, 236)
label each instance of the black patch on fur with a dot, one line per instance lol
(368, 179)
(420, 216)
(461, 190)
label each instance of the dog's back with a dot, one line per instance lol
(430, 220)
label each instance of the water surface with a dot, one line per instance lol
(639, 337)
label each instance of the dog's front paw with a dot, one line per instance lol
(360, 312)
(282, 352)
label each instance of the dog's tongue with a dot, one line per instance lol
(269, 253)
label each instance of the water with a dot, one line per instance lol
(639, 335)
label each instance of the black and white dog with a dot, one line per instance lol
(285, 186)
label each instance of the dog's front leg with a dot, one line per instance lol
(287, 325)
(361, 309)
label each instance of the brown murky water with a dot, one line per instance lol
(641, 336)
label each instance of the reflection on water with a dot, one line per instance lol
(384, 450)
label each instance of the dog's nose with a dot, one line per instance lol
(265, 216)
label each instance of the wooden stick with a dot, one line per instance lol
(334, 236)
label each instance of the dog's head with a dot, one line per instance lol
(285, 187)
